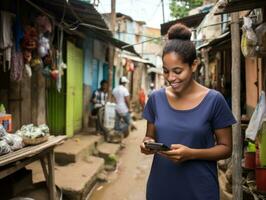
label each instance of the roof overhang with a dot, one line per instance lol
(190, 21)
(138, 59)
(155, 70)
(240, 5)
(217, 41)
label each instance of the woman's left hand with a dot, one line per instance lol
(178, 153)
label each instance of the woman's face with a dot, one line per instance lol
(177, 73)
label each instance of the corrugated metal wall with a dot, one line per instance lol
(56, 103)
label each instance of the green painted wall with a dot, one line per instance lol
(74, 89)
(56, 102)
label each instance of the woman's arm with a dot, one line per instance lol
(149, 137)
(222, 149)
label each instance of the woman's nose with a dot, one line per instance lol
(171, 76)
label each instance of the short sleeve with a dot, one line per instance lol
(126, 93)
(222, 115)
(149, 110)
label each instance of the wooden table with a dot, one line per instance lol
(16, 160)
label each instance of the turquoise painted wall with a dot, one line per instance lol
(88, 62)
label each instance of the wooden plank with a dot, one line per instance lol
(26, 99)
(14, 104)
(51, 163)
(44, 169)
(41, 107)
(30, 150)
(34, 97)
(11, 168)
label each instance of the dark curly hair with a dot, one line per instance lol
(179, 42)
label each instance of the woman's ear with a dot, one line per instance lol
(195, 65)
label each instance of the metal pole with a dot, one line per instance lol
(111, 51)
(237, 141)
(163, 11)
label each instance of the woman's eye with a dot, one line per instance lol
(177, 72)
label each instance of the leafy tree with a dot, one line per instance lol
(180, 8)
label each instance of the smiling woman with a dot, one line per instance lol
(194, 121)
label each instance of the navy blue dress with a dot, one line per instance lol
(193, 179)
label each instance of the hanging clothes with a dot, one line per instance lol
(6, 37)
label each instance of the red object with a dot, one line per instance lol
(54, 74)
(257, 157)
(250, 160)
(142, 97)
(261, 179)
(6, 121)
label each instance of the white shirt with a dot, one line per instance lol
(120, 92)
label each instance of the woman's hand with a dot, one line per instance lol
(178, 153)
(145, 150)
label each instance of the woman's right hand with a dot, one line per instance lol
(144, 149)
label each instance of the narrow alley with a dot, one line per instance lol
(128, 181)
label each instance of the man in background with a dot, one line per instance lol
(98, 100)
(121, 96)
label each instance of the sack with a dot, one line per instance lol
(256, 118)
(109, 115)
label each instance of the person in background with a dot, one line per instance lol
(151, 90)
(121, 97)
(98, 100)
(194, 121)
(142, 98)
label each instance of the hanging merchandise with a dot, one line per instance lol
(61, 66)
(249, 38)
(36, 63)
(44, 46)
(46, 72)
(6, 37)
(256, 118)
(28, 70)
(43, 24)
(130, 65)
(261, 35)
(30, 40)
(54, 74)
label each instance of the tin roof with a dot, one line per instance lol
(240, 5)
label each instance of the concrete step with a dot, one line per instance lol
(77, 179)
(106, 149)
(76, 148)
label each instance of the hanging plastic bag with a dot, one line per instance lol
(256, 118)
(4, 147)
(261, 35)
(249, 38)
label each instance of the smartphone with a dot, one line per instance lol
(156, 146)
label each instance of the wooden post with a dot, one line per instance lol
(206, 65)
(237, 142)
(51, 164)
(111, 51)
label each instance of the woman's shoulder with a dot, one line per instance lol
(215, 93)
(157, 92)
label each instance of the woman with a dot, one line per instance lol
(194, 121)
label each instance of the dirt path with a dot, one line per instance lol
(128, 182)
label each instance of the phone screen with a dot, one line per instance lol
(156, 146)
